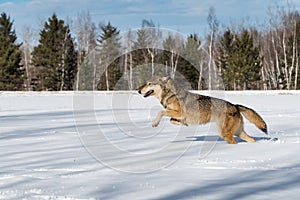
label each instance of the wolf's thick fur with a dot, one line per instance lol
(188, 108)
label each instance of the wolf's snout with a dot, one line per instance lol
(140, 89)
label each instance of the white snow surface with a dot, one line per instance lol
(101, 145)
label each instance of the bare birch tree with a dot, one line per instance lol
(214, 26)
(86, 39)
(28, 35)
(174, 45)
(128, 60)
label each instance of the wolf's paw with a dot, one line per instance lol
(178, 122)
(155, 124)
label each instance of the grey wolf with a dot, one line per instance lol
(187, 108)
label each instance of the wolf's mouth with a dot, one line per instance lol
(147, 94)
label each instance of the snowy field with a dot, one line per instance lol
(102, 146)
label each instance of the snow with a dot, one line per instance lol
(101, 145)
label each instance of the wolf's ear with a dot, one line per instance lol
(165, 79)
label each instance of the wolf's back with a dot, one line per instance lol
(253, 117)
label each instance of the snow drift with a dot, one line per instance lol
(98, 145)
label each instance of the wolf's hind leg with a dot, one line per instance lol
(229, 138)
(227, 127)
(244, 136)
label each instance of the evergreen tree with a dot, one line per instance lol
(239, 61)
(248, 62)
(141, 55)
(192, 49)
(183, 57)
(146, 52)
(192, 54)
(110, 46)
(11, 72)
(56, 56)
(142, 41)
(225, 51)
(171, 55)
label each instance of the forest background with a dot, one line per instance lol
(96, 56)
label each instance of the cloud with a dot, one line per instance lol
(130, 1)
(6, 4)
(183, 15)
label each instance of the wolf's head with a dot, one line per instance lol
(156, 86)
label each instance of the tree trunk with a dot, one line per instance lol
(27, 63)
(286, 74)
(152, 55)
(278, 71)
(200, 76)
(296, 70)
(130, 70)
(210, 59)
(94, 73)
(106, 79)
(294, 51)
(77, 77)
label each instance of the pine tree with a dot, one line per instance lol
(225, 51)
(109, 43)
(172, 50)
(55, 56)
(239, 61)
(183, 57)
(11, 71)
(146, 54)
(141, 56)
(141, 44)
(248, 62)
(188, 67)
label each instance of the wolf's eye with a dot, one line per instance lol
(149, 84)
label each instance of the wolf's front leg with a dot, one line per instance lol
(158, 118)
(178, 122)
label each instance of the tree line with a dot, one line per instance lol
(102, 58)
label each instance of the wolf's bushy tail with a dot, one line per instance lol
(253, 117)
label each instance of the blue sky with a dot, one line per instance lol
(185, 16)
